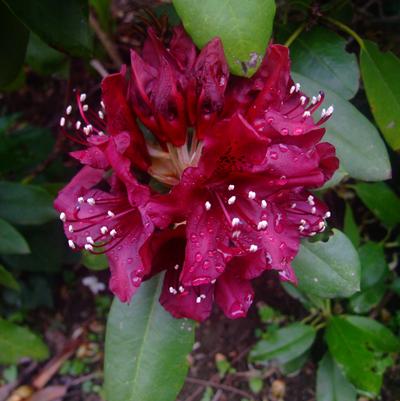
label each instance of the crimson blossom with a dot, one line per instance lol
(197, 173)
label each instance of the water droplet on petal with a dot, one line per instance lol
(198, 257)
(236, 310)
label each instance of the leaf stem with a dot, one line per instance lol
(295, 34)
(346, 29)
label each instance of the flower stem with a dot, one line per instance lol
(295, 34)
(346, 29)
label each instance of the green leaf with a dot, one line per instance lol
(103, 12)
(17, 342)
(295, 365)
(374, 271)
(284, 345)
(13, 41)
(61, 24)
(25, 204)
(331, 384)
(11, 241)
(347, 129)
(7, 279)
(350, 226)
(244, 27)
(94, 262)
(381, 200)
(328, 269)
(323, 54)
(146, 348)
(357, 344)
(380, 73)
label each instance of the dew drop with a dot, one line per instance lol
(206, 264)
(198, 257)
(284, 131)
(236, 310)
(273, 155)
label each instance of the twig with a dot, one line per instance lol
(207, 383)
(99, 68)
(109, 46)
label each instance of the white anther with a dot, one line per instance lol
(310, 200)
(113, 232)
(252, 195)
(101, 114)
(207, 205)
(312, 234)
(70, 228)
(176, 267)
(63, 217)
(78, 124)
(231, 187)
(68, 110)
(71, 244)
(301, 228)
(292, 89)
(62, 121)
(100, 133)
(82, 97)
(313, 210)
(198, 300)
(321, 225)
(236, 234)
(181, 289)
(298, 87)
(86, 130)
(306, 114)
(329, 111)
(81, 199)
(264, 204)
(231, 200)
(253, 248)
(323, 112)
(293, 205)
(213, 281)
(202, 296)
(319, 97)
(110, 213)
(89, 240)
(172, 290)
(302, 100)
(91, 201)
(313, 100)
(262, 225)
(102, 105)
(104, 230)
(85, 107)
(235, 221)
(303, 222)
(88, 247)
(327, 215)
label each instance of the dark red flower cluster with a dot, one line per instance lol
(197, 173)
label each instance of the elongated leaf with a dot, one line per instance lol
(381, 200)
(323, 54)
(331, 383)
(146, 349)
(350, 226)
(7, 279)
(360, 148)
(25, 204)
(17, 342)
(328, 269)
(358, 345)
(284, 345)
(61, 24)
(380, 73)
(244, 27)
(12, 51)
(11, 241)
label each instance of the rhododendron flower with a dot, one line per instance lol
(198, 174)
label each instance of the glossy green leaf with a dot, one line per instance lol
(374, 271)
(380, 73)
(18, 342)
(328, 269)
(11, 241)
(61, 24)
(7, 279)
(12, 51)
(25, 204)
(94, 262)
(244, 27)
(359, 146)
(350, 226)
(381, 200)
(295, 365)
(146, 348)
(331, 383)
(323, 54)
(358, 345)
(284, 345)
(103, 12)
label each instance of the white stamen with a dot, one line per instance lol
(172, 290)
(181, 289)
(293, 205)
(63, 217)
(101, 114)
(301, 228)
(81, 199)
(327, 215)
(323, 112)
(313, 210)
(91, 201)
(253, 248)
(68, 110)
(306, 114)
(312, 234)
(207, 205)
(100, 133)
(113, 232)
(264, 204)
(213, 281)
(176, 267)
(198, 300)
(292, 89)
(329, 111)
(319, 97)
(82, 97)
(252, 195)
(262, 225)
(70, 228)
(85, 107)
(231, 200)
(202, 296)
(71, 244)
(235, 221)
(236, 234)
(110, 213)
(62, 121)
(231, 187)
(88, 247)
(303, 100)
(102, 105)
(313, 100)
(321, 225)
(298, 87)
(78, 124)
(89, 240)
(303, 222)
(310, 200)
(104, 230)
